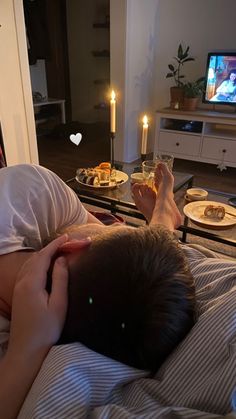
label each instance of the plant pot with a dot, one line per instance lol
(190, 103)
(176, 97)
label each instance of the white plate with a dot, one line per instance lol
(121, 178)
(195, 211)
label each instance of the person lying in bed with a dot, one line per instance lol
(131, 294)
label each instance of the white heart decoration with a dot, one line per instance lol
(76, 138)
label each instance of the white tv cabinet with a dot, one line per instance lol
(212, 138)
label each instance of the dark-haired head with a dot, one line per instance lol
(131, 296)
(230, 77)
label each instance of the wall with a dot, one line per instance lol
(144, 38)
(16, 109)
(118, 71)
(84, 68)
(133, 26)
(205, 25)
(140, 73)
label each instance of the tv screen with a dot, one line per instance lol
(221, 78)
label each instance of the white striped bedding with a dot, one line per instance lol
(196, 381)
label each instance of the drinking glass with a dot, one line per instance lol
(149, 167)
(165, 158)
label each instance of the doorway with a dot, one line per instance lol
(69, 64)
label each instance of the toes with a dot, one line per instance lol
(163, 175)
(158, 175)
(143, 188)
(166, 171)
(141, 191)
(147, 191)
(151, 193)
(136, 189)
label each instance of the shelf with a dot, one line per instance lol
(100, 50)
(41, 121)
(181, 125)
(198, 136)
(102, 81)
(101, 106)
(104, 53)
(220, 131)
(104, 25)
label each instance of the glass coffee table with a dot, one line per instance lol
(119, 200)
(224, 235)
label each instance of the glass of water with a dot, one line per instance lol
(165, 158)
(148, 167)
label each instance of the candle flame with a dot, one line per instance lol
(113, 95)
(145, 119)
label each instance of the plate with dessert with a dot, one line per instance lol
(101, 177)
(211, 213)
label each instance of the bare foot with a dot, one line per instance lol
(160, 207)
(165, 210)
(145, 199)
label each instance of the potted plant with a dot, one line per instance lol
(192, 92)
(176, 92)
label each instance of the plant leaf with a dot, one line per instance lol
(171, 67)
(193, 89)
(180, 51)
(201, 79)
(169, 75)
(185, 54)
(188, 59)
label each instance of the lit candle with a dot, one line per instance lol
(113, 111)
(144, 135)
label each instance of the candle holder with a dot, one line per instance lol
(112, 136)
(143, 157)
(140, 168)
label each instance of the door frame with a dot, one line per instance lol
(16, 103)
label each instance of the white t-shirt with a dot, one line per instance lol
(34, 205)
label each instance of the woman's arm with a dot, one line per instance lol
(37, 321)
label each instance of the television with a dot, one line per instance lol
(220, 85)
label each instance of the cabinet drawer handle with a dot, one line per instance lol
(177, 144)
(224, 150)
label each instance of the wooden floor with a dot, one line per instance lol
(208, 176)
(59, 154)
